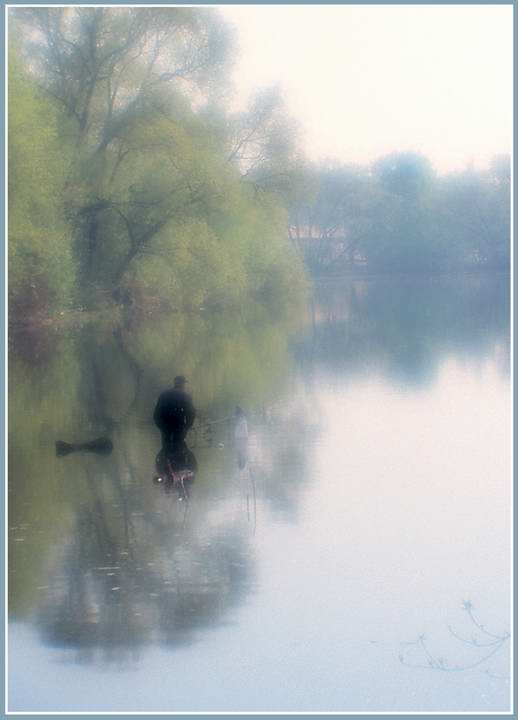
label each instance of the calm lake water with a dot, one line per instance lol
(355, 558)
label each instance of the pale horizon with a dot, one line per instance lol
(362, 81)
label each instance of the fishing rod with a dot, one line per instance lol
(252, 481)
(204, 422)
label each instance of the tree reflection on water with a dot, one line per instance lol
(402, 327)
(125, 578)
(106, 561)
(122, 565)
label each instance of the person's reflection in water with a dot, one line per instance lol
(241, 438)
(174, 414)
(176, 468)
(243, 461)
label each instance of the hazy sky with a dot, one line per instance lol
(363, 80)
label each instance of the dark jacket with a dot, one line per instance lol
(174, 411)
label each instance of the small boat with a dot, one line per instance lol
(101, 446)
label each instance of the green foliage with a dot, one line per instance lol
(41, 266)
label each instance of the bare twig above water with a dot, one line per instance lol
(428, 661)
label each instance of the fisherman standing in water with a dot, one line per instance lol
(174, 414)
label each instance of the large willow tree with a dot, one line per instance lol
(160, 196)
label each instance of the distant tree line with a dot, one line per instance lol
(128, 177)
(399, 215)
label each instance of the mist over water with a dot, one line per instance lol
(333, 531)
(356, 558)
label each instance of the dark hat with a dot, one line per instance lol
(179, 380)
